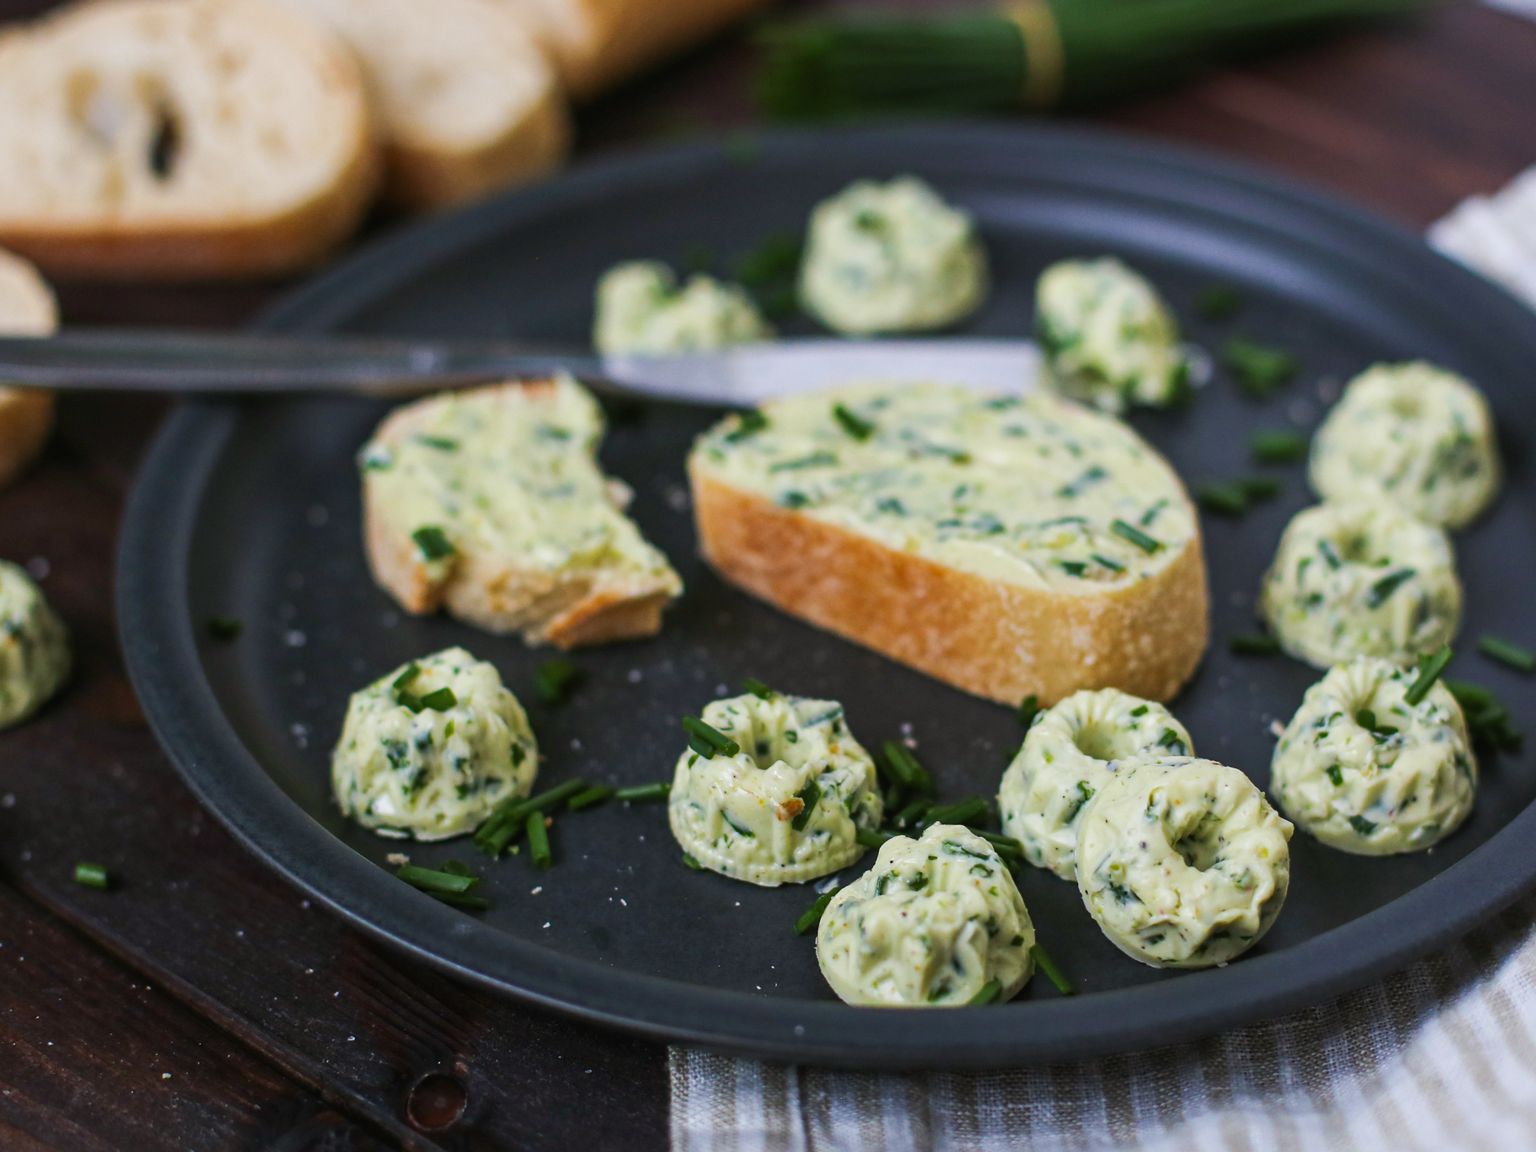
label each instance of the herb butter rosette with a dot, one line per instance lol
(642, 309)
(773, 789)
(1182, 862)
(930, 925)
(1008, 545)
(891, 258)
(1373, 765)
(1361, 579)
(1107, 336)
(1413, 434)
(34, 647)
(1068, 753)
(430, 749)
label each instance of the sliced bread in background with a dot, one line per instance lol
(598, 43)
(465, 100)
(26, 415)
(178, 139)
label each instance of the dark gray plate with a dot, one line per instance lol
(253, 512)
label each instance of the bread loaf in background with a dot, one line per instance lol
(598, 43)
(26, 415)
(180, 139)
(465, 100)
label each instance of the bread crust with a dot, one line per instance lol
(995, 640)
(26, 420)
(566, 609)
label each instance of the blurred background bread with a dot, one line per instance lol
(465, 100)
(180, 138)
(26, 415)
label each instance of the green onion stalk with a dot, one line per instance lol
(1035, 54)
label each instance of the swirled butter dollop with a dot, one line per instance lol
(642, 308)
(34, 647)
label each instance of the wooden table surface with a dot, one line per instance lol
(205, 1004)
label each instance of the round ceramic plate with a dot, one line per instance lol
(253, 512)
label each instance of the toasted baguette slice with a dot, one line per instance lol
(466, 100)
(26, 414)
(1010, 547)
(180, 139)
(596, 44)
(490, 503)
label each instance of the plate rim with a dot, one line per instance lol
(162, 654)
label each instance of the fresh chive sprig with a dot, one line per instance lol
(1052, 970)
(1505, 652)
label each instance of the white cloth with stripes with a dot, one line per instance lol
(1439, 1058)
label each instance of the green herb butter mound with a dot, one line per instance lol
(1068, 753)
(642, 309)
(34, 647)
(1107, 336)
(787, 804)
(1182, 862)
(1366, 770)
(429, 750)
(930, 925)
(1413, 434)
(1361, 579)
(891, 257)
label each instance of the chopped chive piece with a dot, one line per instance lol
(1487, 719)
(870, 837)
(644, 793)
(432, 543)
(812, 915)
(505, 824)
(904, 766)
(554, 680)
(707, 740)
(408, 674)
(1382, 590)
(1259, 487)
(224, 628)
(776, 258)
(441, 700)
(818, 459)
(1222, 499)
(912, 813)
(463, 900)
(691, 861)
(1006, 846)
(1361, 825)
(441, 443)
(1336, 775)
(1259, 370)
(589, 797)
(809, 796)
(758, 688)
(456, 868)
(1254, 644)
(90, 875)
(853, 424)
(988, 992)
(1522, 659)
(961, 812)
(1135, 535)
(1278, 446)
(436, 882)
(1054, 974)
(1430, 668)
(1029, 708)
(538, 840)
(1106, 562)
(1219, 302)
(749, 423)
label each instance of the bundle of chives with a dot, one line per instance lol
(510, 818)
(1029, 53)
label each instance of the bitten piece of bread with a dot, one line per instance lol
(466, 101)
(599, 43)
(180, 139)
(26, 414)
(1008, 546)
(490, 503)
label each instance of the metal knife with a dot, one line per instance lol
(250, 364)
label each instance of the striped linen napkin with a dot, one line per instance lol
(1439, 1058)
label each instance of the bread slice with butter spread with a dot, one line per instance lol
(26, 414)
(176, 139)
(490, 503)
(1010, 546)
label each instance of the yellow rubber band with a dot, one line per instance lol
(1044, 63)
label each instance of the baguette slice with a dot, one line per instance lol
(178, 139)
(973, 539)
(26, 414)
(490, 503)
(596, 44)
(466, 100)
